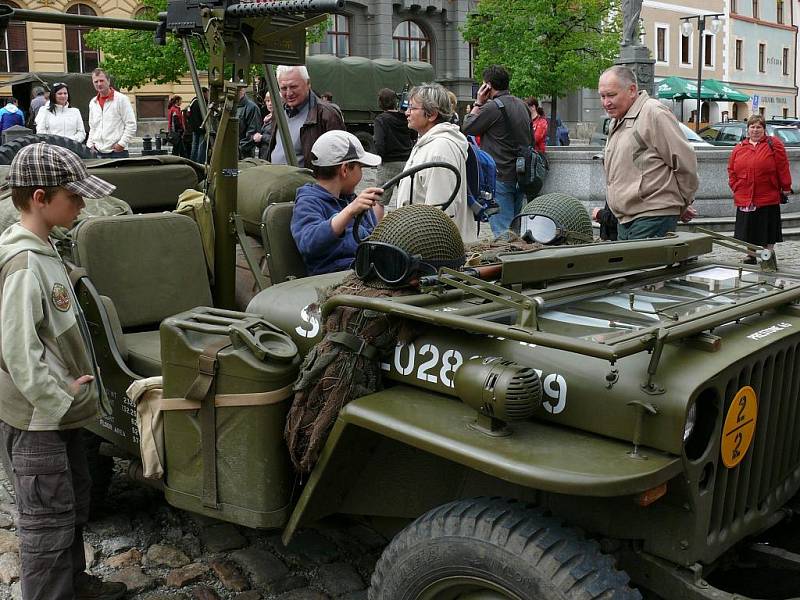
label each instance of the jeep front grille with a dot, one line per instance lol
(765, 478)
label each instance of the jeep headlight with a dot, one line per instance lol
(691, 420)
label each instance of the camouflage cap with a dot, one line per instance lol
(47, 165)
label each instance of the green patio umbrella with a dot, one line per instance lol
(675, 88)
(720, 90)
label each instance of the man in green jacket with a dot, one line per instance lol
(47, 377)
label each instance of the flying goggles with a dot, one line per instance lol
(544, 230)
(395, 266)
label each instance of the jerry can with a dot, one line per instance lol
(228, 379)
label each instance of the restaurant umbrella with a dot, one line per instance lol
(722, 91)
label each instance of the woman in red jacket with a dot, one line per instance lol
(176, 125)
(758, 172)
(539, 125)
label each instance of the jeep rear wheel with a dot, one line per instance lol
(494, 548)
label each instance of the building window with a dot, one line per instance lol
(662, 51)
(338, 40)
(473, 55)
(735, 112)
(80, 58)
(785, 112)
(733, 6)
(686, 49)
(762, 110)
(762, 53)
(738, 54)
(755, 9)
(708, 50)
(779, 11)
(151, 107)
(785, 59)
(14, 46)
(411, 43)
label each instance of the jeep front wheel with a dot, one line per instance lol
(494, 548)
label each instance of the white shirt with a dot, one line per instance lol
(115, 123)
(65, 121)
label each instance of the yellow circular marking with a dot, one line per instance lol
(739, 427)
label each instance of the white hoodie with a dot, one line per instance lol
(65, 121)
(444, 142)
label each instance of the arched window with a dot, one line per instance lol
(14, 46)
(411, 43)
(80, 58)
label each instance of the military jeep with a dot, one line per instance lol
(594, 421)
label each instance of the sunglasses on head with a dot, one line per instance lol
(393, 265)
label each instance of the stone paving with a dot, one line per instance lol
(162, 553)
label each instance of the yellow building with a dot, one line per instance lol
(61, 48)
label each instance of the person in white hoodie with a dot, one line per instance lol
(112, 122)
(429, 113)
(57, 117)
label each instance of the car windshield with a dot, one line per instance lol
(690, 134)
(788, 135)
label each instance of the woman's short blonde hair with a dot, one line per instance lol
(753, 119)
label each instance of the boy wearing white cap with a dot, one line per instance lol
(324, 212)
(46, 377)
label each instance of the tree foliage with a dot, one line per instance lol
(550, 47)
(133, 59)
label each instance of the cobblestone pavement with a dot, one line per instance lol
(164, 553)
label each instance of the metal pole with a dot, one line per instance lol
(701, 26)
(281, 123)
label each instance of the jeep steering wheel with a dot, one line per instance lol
(408, 173)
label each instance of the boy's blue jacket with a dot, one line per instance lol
(322, 250)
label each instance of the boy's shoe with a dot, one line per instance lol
(89, 587)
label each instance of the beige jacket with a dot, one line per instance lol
(651, 170)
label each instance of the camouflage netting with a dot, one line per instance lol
(567, 212)
(98, 207)
(332, 374)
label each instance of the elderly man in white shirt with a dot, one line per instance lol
(112, 122)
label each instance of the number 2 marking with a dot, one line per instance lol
(422, 372)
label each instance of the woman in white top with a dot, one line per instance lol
(57, 117)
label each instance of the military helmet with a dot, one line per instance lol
(426, 237)
(421, 229)
(571, 221)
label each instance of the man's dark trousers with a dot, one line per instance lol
(53, 487)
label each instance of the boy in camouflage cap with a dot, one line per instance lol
(46, 375)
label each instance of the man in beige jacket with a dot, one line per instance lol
(651, 170)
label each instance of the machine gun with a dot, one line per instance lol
(237, 35)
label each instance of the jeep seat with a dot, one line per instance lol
(284, 260)
(150, 266)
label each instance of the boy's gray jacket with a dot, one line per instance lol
(41, 347)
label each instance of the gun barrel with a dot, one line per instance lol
(283, 7)
(7, 13)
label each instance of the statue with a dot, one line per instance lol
(631, 9)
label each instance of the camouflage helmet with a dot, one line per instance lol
(566, 211)
(423, 230)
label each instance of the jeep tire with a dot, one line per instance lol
(9, 151)
(494, 547)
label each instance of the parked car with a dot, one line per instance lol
(788, 121)
(730, 133)
(599, 137)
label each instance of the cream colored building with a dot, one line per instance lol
(45, 47)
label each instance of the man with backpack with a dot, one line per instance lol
(504, 124)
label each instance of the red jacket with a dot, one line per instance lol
(758, 173)
(175, 117)
(540, 134)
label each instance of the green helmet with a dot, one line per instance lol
(423, 230)
(572, 222)
(411, 241)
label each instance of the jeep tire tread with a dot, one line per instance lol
(498, 547)
(9, 151)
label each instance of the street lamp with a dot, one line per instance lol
(686, 30)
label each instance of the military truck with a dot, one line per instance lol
(355, 82)
(593, 419)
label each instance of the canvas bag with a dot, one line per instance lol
(147, 394)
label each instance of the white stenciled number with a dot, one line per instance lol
(555, 388)
(422, 372)
(408, 368)
(311, 327)
(451, 361)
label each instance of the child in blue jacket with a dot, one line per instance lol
(324, 212)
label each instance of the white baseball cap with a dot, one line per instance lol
(337, 147)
